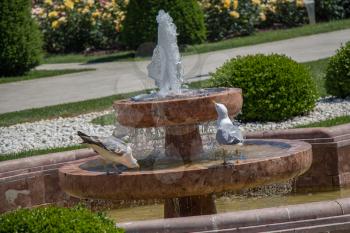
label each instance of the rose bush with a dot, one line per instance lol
(76, 25)
(229, 18)
(284, 13)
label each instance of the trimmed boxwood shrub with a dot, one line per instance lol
(54, 219)
(140, 25)
(338, 73)
(20, 39)
(274, 86)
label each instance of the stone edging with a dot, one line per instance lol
(259, 220)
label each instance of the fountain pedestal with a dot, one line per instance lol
(189, 206)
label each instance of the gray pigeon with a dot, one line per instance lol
(112, 149)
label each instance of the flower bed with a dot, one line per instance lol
(78, 25)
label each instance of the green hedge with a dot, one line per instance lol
(54, 219)
(140, 25)
(20, 39)
(274, 86)
(338, 73)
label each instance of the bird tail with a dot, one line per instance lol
(86, 138)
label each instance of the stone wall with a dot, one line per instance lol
(330, 168)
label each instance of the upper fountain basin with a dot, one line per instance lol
(179, 110)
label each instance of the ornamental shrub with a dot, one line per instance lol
(338, 73)
(226, 18)
(74, 26)
(285, 14)
(329, 10)
(140, 24)
(54, 219)
(20, 39)
(274, 86)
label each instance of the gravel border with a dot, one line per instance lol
(61, 132)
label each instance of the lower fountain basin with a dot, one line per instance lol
(273, 161)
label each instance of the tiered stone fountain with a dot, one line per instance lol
(186, 177)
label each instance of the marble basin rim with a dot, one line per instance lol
(172, 182)
(187, 110)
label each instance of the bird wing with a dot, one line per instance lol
(229, 135)
(114, 145)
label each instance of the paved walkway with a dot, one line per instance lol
(121, 77)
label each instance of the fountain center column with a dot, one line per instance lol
(183, 141)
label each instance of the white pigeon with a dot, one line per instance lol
(227, 133)
(112, 149)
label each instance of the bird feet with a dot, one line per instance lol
(227, 163)
(115, 172)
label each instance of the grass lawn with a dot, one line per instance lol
(257, 38)
(327, 123)
(34, 74)
(24, 154)
(62, 110)
(80, 58)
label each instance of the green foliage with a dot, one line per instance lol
(284, 14)
(338, 73)
(224, 19)
(140, 24)
(54, 219)
(20, 39)
(329, 10)
(274, 86)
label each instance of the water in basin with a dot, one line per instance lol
(251, 150)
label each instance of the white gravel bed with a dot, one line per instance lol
(326, 108)
(61, 132)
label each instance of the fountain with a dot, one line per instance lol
(187, 173)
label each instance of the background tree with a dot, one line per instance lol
(140, 24)
(20, 38)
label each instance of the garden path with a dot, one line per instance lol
(121, 77)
